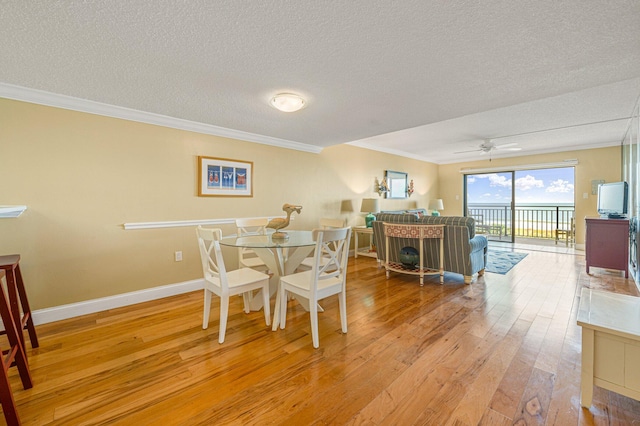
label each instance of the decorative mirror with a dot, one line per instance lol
(397, 182)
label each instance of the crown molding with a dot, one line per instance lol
(41, 97)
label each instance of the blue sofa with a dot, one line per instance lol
(465, 252)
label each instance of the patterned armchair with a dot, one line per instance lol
(464, 252)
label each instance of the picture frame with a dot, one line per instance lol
(224, 177)
(397, 183)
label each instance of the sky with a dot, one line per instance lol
(532, 186)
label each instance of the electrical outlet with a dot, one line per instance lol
(178, 256)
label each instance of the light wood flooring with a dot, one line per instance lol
(503, 350)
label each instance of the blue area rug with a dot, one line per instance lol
(501, 262)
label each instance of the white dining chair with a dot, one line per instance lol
(325, 223)
(323, 280)
(247, 258)
(225, 283)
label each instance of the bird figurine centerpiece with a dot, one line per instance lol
(279, 223)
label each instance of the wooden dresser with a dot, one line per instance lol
(607, 244)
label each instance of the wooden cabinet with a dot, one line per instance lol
(607, 244)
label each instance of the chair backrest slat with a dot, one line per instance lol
(249, 226)
(327, 223)
(333, 244)
(252, 226)
(211, 254)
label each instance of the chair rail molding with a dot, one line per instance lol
(181, 223)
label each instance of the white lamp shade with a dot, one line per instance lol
(287, 102)
(436, 204)
(370, 205)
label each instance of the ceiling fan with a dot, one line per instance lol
(487, 146)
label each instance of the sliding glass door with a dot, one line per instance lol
(533, 204)
(489, 200)
(544, 204)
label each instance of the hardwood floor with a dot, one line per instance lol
(504, 350)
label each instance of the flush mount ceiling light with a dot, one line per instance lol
(288, 102)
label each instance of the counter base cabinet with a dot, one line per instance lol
(610, 344)
(607, 244)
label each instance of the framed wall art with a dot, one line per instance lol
(223, 177)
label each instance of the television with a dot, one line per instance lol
(612, 199)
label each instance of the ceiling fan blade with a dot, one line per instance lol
(487, 146)
(506, 145)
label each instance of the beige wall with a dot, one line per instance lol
(83, 176)
(602, 163)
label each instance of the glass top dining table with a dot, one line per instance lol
(282, 256)
(296, 239)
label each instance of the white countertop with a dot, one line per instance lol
(611, 312)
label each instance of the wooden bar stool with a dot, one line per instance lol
(7, 401)
(14, 355)
(6, 394)
(18, 298)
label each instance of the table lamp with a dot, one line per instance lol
(369, 205)
(435, 206)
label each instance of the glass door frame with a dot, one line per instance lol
(510, 222)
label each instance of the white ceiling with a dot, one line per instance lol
(420, 78)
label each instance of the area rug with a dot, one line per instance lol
(501, 262)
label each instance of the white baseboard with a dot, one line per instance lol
(57, 313)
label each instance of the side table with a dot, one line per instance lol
(368, 251)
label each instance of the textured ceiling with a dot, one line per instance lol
(419, 78)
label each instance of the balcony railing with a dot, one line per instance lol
(531, 221)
